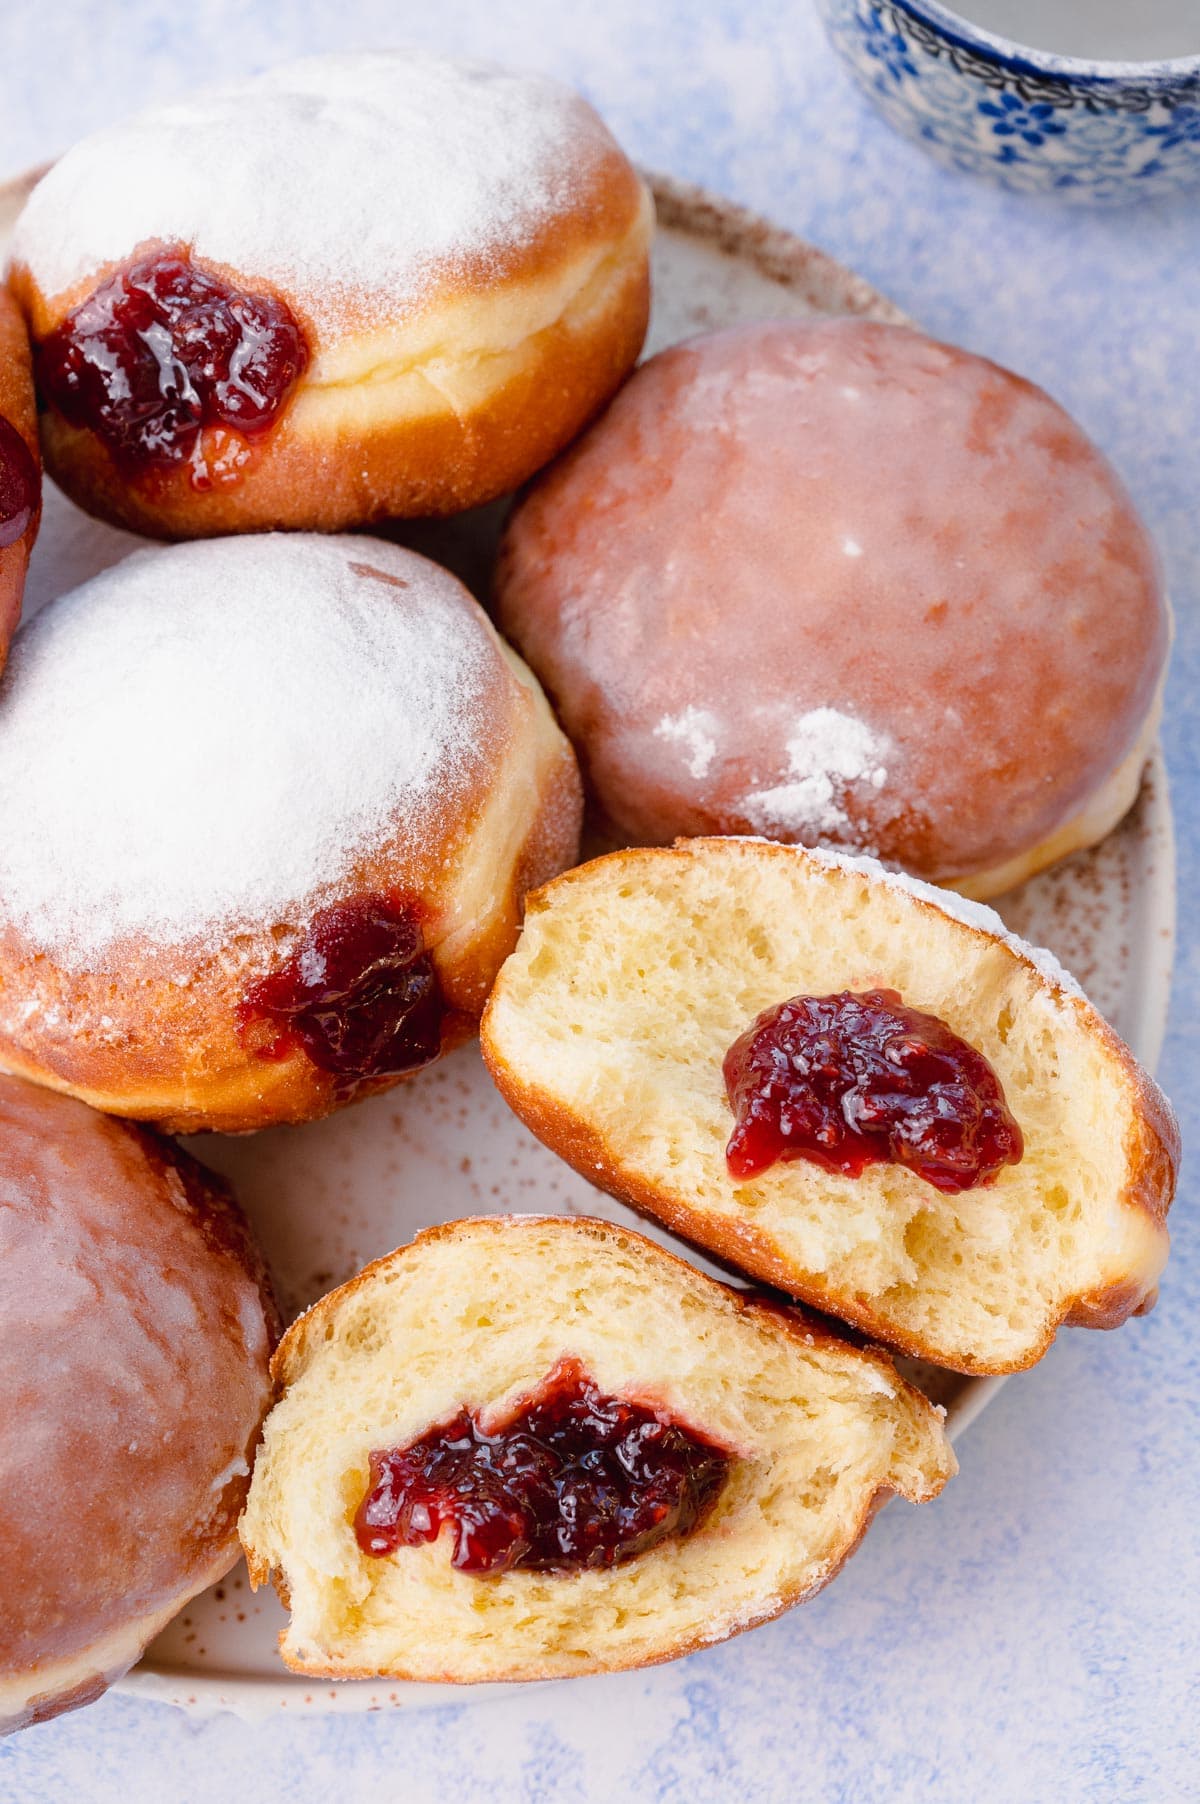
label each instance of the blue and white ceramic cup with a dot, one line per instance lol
(1037, 121)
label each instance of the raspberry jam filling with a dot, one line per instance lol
(359, 994)
(573, 1479)
(855, 1080)
(20, 486)
(168, 365)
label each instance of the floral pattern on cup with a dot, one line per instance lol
(1036, 122)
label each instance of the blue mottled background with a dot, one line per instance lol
(1036, 1634)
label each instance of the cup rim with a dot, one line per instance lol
(1027, 60)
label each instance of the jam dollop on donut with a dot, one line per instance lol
(853, 1080)
(19, 485)
(573, 1479)
(162, 356)
(359, 994)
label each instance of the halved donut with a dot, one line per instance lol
(527, 1447)
(849, 1084)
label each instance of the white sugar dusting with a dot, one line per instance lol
(827, 751)
(340, 178)
(205, 737)
(694, 731)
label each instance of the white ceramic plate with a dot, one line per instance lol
(328, 1197)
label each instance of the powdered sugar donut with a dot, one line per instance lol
(135, 1331)
(20, 472)
(401, 286)
(270, 808)
(835, 583)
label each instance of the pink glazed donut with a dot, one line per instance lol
(136, 1325)
(835, 583)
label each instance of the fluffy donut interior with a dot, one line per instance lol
(480, 1315)
(636, 974)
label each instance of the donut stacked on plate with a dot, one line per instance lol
(838, 584)
(136, 1324)
(402, 286)
(274, 854)
(272, 806)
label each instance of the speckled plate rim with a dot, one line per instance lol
(783, 258)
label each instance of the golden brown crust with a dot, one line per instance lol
(1152, 1164)
(321, 469)
(131, 1039)
(135, 1333)
(18, 408)
(311, 1329)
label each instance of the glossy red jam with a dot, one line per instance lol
(20, 485)
(359, 994)
(855, 1080)
(573, 1479)
(161, 353)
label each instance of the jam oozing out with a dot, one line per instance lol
(852, 1080)
(20, 485)
(573, 1479)
(359, 994)
(160, 353)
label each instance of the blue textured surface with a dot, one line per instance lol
(1035, 1633)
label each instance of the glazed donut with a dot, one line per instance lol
(530, 1447)
(398, 287)
(20, 470)
(270, 807)
(135, 1331)
(835, 583)
(850, 1084)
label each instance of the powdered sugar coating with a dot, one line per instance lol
(694, 731)
(827, 751)
(204, 738)
(353, 182)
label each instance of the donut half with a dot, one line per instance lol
(467, 1324)
(608, 1032)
